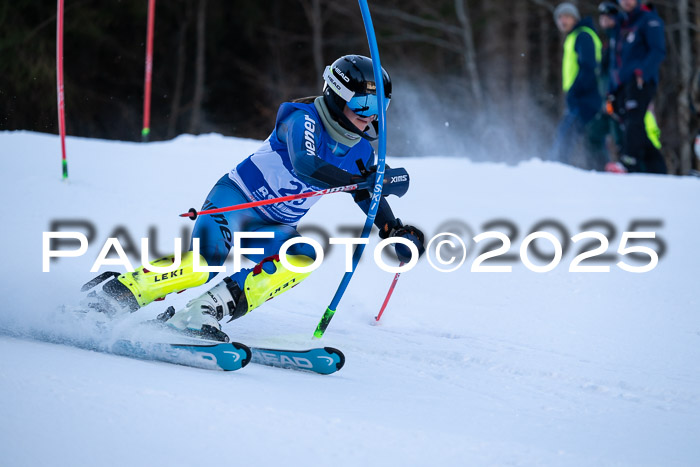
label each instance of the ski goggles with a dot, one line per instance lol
(367, 105)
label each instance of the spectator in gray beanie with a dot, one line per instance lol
(567, 8)
(582, 53)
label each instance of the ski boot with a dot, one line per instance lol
(114, 294)
(201, 316)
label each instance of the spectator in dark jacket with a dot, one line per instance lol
(639, 48)
(695, 107)
(580, 69)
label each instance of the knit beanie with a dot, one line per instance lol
(566, 8)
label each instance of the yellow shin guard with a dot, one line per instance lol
(260, 286)
(148, 286)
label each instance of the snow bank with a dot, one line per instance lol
(466, 369)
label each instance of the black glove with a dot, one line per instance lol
(396, 181)
(409, 232)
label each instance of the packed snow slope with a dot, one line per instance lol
(467, 368)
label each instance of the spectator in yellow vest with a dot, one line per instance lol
(580, 69)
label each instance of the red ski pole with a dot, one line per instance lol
(193, 213)
(388, 295)
(149, 71)
(60, 89)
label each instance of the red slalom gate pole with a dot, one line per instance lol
(59, 86)
(388, 295)
(193, 213)
(149, 71)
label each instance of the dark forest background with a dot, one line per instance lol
(472, 78)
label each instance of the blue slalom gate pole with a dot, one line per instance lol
(379, 180)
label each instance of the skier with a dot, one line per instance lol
(316, 143)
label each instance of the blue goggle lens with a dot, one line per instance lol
(366, 105)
